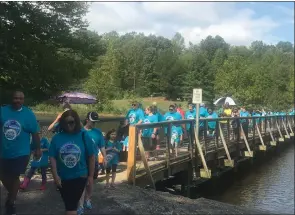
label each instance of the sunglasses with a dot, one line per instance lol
(71, 122)
(133, 105)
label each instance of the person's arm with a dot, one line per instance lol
(46, 143)
(91, 157)
(34, 129)
(52, 157)
(36, 141)
(52, 125)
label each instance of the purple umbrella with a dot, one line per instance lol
(77, 98)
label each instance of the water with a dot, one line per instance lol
(269, 187)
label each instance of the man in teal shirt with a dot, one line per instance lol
(18, 124)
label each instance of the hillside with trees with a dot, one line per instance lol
(45, 48)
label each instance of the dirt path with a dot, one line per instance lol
(124, 199)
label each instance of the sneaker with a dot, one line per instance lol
(10, 209)
(88, 204)
(43, 187)
(80, 211)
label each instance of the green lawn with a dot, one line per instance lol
(120, 107)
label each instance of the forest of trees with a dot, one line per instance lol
(45, 49)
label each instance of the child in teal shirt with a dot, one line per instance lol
(113, 149)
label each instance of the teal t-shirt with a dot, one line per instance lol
(212, 124)
(244, 114)
(203, 113)
(171, 117)
(147, 132)
(176, 132)
(70, 154)
(44, 159)
(190, 115)
(118, 146)
(125, 141)
(134, 116)
(17, 127)
(97, 138)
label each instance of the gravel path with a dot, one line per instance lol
(124, 199)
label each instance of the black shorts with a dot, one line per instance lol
(113, 167)
(149, 144)
(71, 192)
(14, 167)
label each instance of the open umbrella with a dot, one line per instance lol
(224, 100)
(77, 98)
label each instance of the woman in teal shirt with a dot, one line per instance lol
(71, 155)
(113, 149)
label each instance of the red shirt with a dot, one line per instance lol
(179, 110)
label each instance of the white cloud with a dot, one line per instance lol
(194, 20)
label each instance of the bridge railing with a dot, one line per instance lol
(214, 134)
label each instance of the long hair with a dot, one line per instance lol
(108, 134)
(63, 123)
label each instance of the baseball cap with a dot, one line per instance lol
(92, 116)
(202, 104)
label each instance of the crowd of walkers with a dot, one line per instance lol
(78, 150)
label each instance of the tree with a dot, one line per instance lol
(44, 47)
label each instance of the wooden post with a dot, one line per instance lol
(131, 162)
(281, 139)
(249, 153)
(272, 142)
(287, 133)
(228, 161)
(262, 147)
(290, 127)
(144, 160)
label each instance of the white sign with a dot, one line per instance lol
(197, 96)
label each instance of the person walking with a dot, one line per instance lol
(18, 124)
(35, 164)
(98, 143)
(72, 160)
(113, 149)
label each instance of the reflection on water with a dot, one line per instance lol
(269, 187)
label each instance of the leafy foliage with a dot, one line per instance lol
(45, 48)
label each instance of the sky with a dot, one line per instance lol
(239, 23)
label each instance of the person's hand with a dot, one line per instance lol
(57, 181)
(153, 136)
(38, 154)
(89, 180)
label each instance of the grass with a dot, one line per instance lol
(115, 108)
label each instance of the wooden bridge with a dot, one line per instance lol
(223, 147)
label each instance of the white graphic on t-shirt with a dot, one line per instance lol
(174, 135)
(190, 116)
(11, 129)
(132, 117)
(70, 154)
(169, 118)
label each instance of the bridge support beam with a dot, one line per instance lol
(290, 127)
(287, 136)
(227, 162)
(205, 172)
(247, 153)
(281, 138)
(262, 147)
(272, 142)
